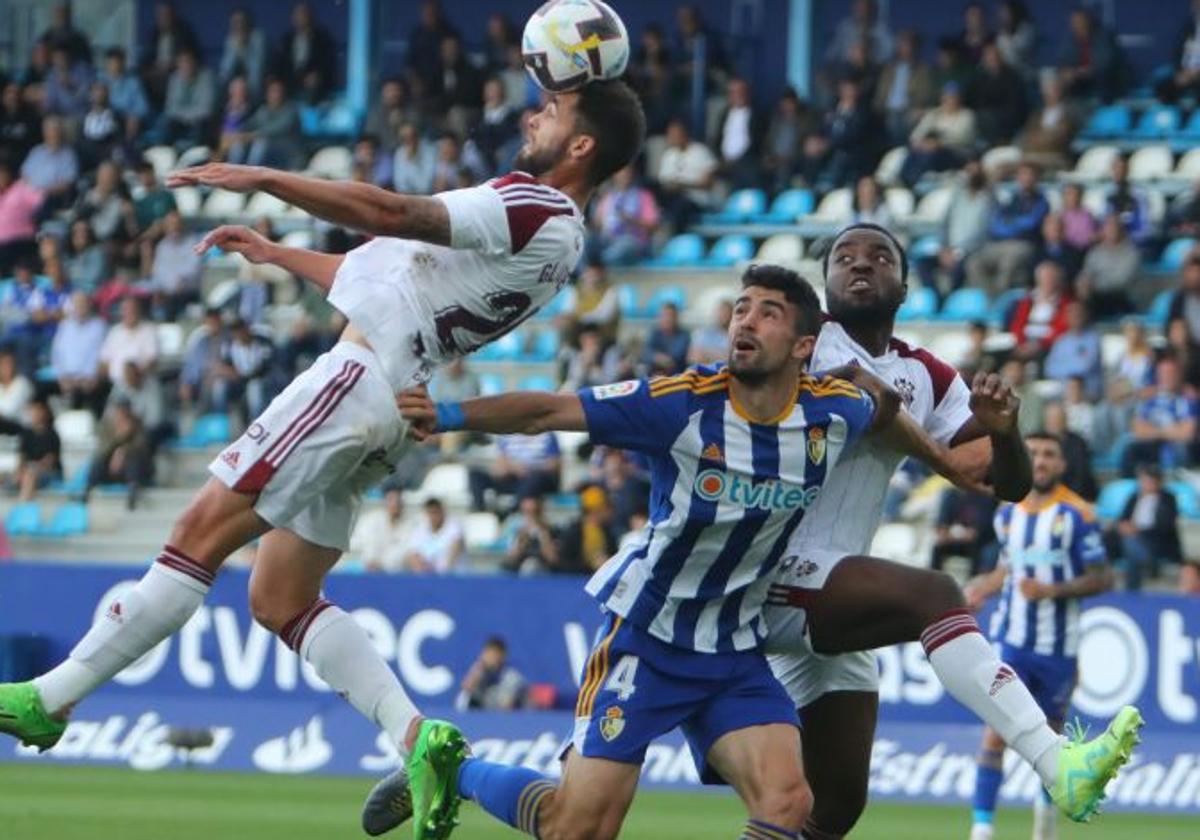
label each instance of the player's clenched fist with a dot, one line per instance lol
(418, 409)
(994, 403)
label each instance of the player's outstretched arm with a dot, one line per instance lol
(903, 434)
(363, 207)
(526, 413)
(314, 266)
(995, 410)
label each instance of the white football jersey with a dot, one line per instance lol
(848, 511)
(513, 245)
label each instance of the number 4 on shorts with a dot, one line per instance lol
(621, 678)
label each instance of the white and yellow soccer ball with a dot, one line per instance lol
(568, 43)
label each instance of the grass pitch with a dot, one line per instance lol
(73, 803)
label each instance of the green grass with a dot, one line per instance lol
(70, 803)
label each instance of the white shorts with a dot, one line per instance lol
(334, 432)
(804, 673)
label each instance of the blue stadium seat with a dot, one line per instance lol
(1002, 306)
(1186, 498)
(1174, 254)
(665, 294)
(1191, 131)
(68, 521)
(506, 348)
(1157, 122)
(730, 250)
(740, 207)
(1159, 310)
(23, 520)
(1111, 459)
(537, 383)
(208, 430)
(965, 305)
(554, 307)
(627, 297)
(920, 305)
(926, 246)
(545, 347)
(490, 384)
(75, 484)
(1108, 121)
(788, 206)
(684, 249)
(1114, 496)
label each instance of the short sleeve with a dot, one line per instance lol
(478, 220)
(952, 412)
(627, 416)
(1087, 546)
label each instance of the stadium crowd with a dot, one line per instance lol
(97, 256)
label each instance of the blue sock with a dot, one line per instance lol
(511, 794)
(989, 774)
(759, 830)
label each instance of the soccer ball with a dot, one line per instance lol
(568, 43)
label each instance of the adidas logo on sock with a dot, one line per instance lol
(1004, 675)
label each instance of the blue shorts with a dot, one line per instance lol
(1050, 679)
(636, 688)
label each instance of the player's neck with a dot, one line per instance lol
(1038, 499)
(576, 189)
(872, 337)
(768, 401)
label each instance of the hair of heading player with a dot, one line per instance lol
(867, 226)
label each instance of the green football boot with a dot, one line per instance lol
(23, 716)
(1086, 767)
(433, 779)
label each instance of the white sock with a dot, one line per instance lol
(328, 638)
(155, 608)
(971, 671)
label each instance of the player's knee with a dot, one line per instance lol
(788, 804)
(267, 610)
(940, 593)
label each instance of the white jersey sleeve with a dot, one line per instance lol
(501, 217)
(477, 220)
(951, 412)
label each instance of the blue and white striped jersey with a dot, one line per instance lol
(726, 493)
(1052, 544)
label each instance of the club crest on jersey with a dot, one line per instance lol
(613, 723)
(816, 445)
(616, 389)
(906, 389)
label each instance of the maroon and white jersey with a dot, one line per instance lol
(513, 245)
(848, 510)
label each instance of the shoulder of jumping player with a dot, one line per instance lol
(939, 375)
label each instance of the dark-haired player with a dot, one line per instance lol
(447, 274)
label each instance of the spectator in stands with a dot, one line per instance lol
(1032, 403)
(425, 40)
(1184, 216)
(454, 382)
(391, 111)
(152, 202)
(962, 232)
(975, 35)
(864, 23)
(524, 466)
(258, 283)
(849, 146)
(241, 376)
(997, 95)
(949, 65)
(710, 344)
(16, 391)
(52, 166)
(457, 87)
(530, 542)
(942, 138)
(20, 127)
(492, 683)
(449, 170)
(1184, 78)
(131, 339)
(686, 172)
(437, 541)
(414, 162)
(963, 528)
(690, 28)
(625, 487)
(1147, 534)
(16, 309)
(1041, 316)
(65, 92)
(868, 205)
(1110, 269)
(75, 354)
(1015, 36)
(862, 70)
(499, 37)
(1076, 353)
(1185, 303)
(191, 102)
(1046, 138)
(1136, 367)
(1090, 63)
(19, 204)
(1164, 425)
(666, 349)
(1079, 225)
(62, 35)
(201, 360)
(651, 74)
(1076, 452)
(597, 304)
(739, 128)
(143, 394)
(245, 52)
(1179, 343)
(591, 539)
(35, 72)
(101, 132)
(107, 207)
(170, 36)
(624, 220)
(1128, 203)
(976, 358)
(493, 136)
(234, 115)
(271, 133)
(175, 273)
(1055, 248)
(1080, 411)
(306, 56)
(905, 89)
(791, 122)
(125, 93)
(124, 456)
(1014, 234)
(592, 363)
(382, 537)
(39, 450)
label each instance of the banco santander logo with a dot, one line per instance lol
(773, 495)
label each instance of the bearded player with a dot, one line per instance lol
(449, 273)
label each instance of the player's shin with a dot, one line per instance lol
(136, 620)
(975, 676)
(514, 795)
(335, 645)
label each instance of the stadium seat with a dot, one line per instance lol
(781, 248)
(23, 520)
(1114, 496)
(1151, 163)
(1186, 498)
(265, 204)
(627, 300)
(75, 483)
(490, 384)
(1108, 121)
(334, 162)
(447, 482)
(298, 239)
(965, 305)
(920, 305)
(187, 201)
(740, 207)
(1157, 121)
(999, 161)
(1188, 167)
(545, 346)
(1174, 254)
(888, 171)
(1111, 460)
(1191, 131)
(1001, 308)
(194, 156)
(223, 294)
(1160, 309)
(683, 249)
(730, 249)
(1112, 350)
(953, 347)
(162, 158)
(208, 430)
(665, 294)
(836, 207)
(69, 520)
(927, 246)
(224, 204)
(895, 541)
(1095, 200)
(788, 206)
(901, 202)
(1095, 164)
(170, 340)
(339, 120)
(537, 382)
(76, 429)
(481, 530)
(931, 209)
(507, 347)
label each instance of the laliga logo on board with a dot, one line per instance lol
(714, 485)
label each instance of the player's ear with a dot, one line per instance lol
(803, 348)
(581, 146)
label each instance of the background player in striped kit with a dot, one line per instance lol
(1052, 556)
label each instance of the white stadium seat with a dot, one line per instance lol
(194, 157)
(1189, 165)
(76, 429)
(170, 340)
(187, 201)
(481, 530)
(1112, 350)
(836, 206)
(896, 541)
(951, 346)
(224, 204)
(333, 162)
(932, 208)
(298, 239)
(162, 158)
(1095, 164)
(888, 171)
(999, 160)
(900, 201)
(1150, 163)
(265, 204)
(1095, 199)
(447, 482)
(781, 248)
